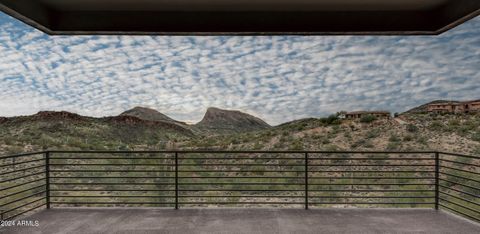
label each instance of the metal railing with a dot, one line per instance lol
(301, 179)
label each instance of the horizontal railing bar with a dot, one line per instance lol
(241, 158)
(239, 190)
(457, 169)
(18, 185)
(184, 196)
(362, 171)
(240, 177)
(462, 163)
(371, 190)
(388, 197)
(459, 205)
(105, 196)
(109, 177)
(280, 171)
(110, 164)
(23, 169)
(111, 171)
(459, 155)
(380, 159)
(23, 198)
(237, 164)
(371, 165)
(464, 185)
(459, 191)
(104, 158)
(21, 177)
(352, 184)
(22, 155)
(87, 183)
(23, 205)
(460, 213)
(25, 211)
(112, 190)
(371, 178)
(375, 203)
(239, 196)
(22, 191)
(244, 151)
(19, 163)
(240, 183)
(117, 203)
(239, 203)
(461, 177)
(460, 198)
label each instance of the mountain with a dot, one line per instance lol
(229, 121)
(65, 130)
(150, 114)
(234, 130)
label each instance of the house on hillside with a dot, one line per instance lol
(455, 107)
(360, 114)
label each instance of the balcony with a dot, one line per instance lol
(241, 191)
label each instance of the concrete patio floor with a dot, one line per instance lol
(141, 220)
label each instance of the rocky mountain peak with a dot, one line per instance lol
(230, 120)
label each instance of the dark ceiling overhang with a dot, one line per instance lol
(243, 17)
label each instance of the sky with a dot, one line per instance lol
(278, 78)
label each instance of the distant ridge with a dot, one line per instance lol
(150, 114)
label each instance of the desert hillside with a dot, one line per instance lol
(145, 129)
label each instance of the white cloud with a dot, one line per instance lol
(276, 78)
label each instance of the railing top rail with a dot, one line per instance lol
(22, 154)
(245, 151)
(234, 152)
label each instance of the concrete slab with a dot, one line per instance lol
(138, 220)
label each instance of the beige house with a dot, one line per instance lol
(455, 107)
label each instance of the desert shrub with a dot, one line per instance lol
(296, 145)
(476, 136)
(331, 120)
(436, 126)
(358, 143)
(408, 138)
(476, 151)
(393, 146)
(412, 128)
(394, 138)
(368, 119)
(373, 133)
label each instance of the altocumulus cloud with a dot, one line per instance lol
(276, 78)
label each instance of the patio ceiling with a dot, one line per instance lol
(243, 17)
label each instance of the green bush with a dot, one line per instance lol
(373, 133)
(394, 138)
(331, 120)
(368, 119)
(408, 138)
(436, 126)
(412, 128)
(476, 136)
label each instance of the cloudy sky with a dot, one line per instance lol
(277, 78)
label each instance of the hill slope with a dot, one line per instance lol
(149, 114)
(64, 130)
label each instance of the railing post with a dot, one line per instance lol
(176, 180)
(306, 181)
(47, 178)
(437, 172)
